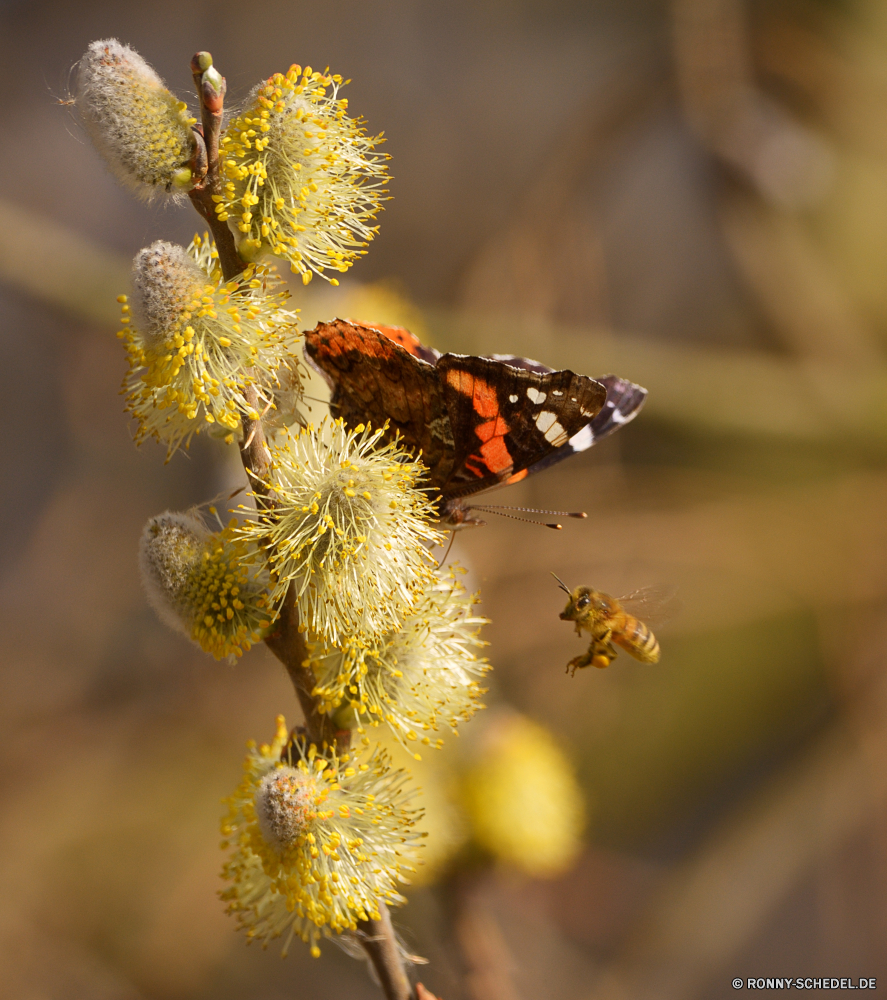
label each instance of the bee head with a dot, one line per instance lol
(578, 605)
(586, 604)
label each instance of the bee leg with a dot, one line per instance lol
(602, 655)
(578, 662)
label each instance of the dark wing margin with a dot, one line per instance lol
(623, 403)
(373, 380)
(528, 364)
(506, 419)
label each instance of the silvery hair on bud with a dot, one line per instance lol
(170, 547)
(165, 278)
(128, 113)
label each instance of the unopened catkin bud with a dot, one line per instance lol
(285, 803)
(165, 280)
(140, 128)
(203, 584)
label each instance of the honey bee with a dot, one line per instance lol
(616, 620)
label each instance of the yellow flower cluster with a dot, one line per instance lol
(205, 584)
(318, 840)
(301, 180)
(199, 342)
(349, 527)
(141, 129)
(417, 679)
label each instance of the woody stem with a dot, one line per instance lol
(286, 641)
(211, 91)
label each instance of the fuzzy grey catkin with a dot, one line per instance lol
(165, 280)
(140, 128)
(170, 550)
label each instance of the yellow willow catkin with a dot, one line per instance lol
(350, 528)
(140, 128)
(198, 343)
(207, 585)
(318, 840)
(419, 679)
(301, 178)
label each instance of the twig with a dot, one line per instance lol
(211, 91)
(488, 961)
(286, 641)
(254, 451)
(377, 938)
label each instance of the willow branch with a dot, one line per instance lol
(211, 91)
(380, 944)
(286, 641)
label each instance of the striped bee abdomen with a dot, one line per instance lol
(635, 638)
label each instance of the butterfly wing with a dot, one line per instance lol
(506, 419)
(373, 380)
(476, 421)
(623, 403)
(408, 341)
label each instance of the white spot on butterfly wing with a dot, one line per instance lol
(535, 395)
(556, 392)
(546, 423)
(512, 399)
(583, 439)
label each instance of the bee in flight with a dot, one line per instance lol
(616, 620)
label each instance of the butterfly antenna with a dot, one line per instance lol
(514, 517)
(538, 510)
(561, 584)
(446, 554)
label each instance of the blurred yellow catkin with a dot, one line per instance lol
(522, 799)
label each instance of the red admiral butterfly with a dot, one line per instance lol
(477, 422)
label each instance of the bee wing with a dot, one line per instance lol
(654, 605)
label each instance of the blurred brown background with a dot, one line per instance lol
(691, 194)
